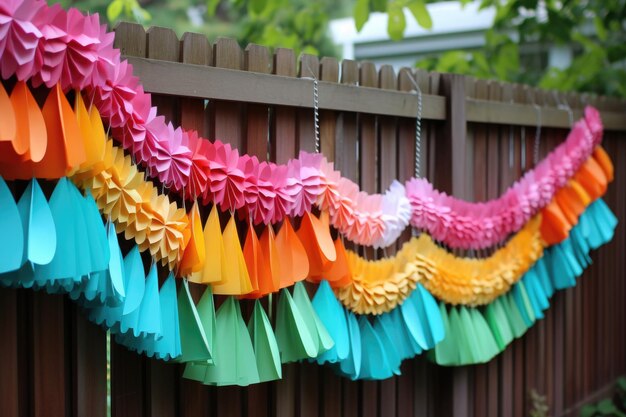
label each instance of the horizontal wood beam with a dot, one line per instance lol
(485, 111)
(173, 78)
(188, 80)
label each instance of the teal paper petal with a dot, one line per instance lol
(388, 345)
(145, 320)
(115, 286)
(96, 231)
(429, 314)
(560, 270)
(332, 315)
(64, 212)
(265, 345)
(12, 246)
(168, 346)
(374, 361)
(134, 280)
(544, 276)
(39, 230)
(351, 366)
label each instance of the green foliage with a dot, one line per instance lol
(539, 404)
(609, 407)
(594, 30)
(396, 22)
(128, 9)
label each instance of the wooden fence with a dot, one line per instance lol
(477, 138)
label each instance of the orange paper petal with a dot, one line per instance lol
(570, 202)
(252, 255)
(339, 274)
(30, 136)
(554, 225)
(294, 262)
(65, 143)
(603, 159)
(315, 236)
(271, 278)
(592, 178)
(7, 118)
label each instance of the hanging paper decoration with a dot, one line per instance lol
(11, 224)
(317, 330)
(7, 122)
(234, 361)
(194, 254)
(155, 223)
(236, 280)
(72, 262)
(332, 316)
(265, 345)
(39, 229)
(314, 234)
(552, 217)
(294, 262)
(197, 326)
(476, 335)
(214, 269)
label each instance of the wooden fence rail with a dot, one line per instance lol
(477, 139)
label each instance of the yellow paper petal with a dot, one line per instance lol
(236, 280)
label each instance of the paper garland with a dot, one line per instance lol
(214, 171)
(63, 246)
(476, 335)
(151, 321)
(379, 286)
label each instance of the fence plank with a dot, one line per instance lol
(258, 59)
(51, 383)
(227, 117)
(9, 388)
(329, 71)
(284, 123)
(309, 68)
(194, 49)
(89, 367)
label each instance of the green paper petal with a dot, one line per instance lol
(318, 331)
(292, 333)
(193, 339)
(233, 355)
(265, 345)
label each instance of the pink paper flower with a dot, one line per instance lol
(19, 37)
(226, 180)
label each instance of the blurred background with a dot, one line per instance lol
(568, 45)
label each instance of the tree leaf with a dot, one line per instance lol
(420, 12)
(396, 23)
(211, 7)
(361, 13)
(600, 30)
(257, 6)
(379, 5)
(114, 10)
